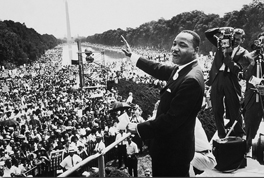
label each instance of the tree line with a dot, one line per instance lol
(21, 45)
(160, 34)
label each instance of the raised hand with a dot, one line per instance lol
(227, 51)
(127, 50)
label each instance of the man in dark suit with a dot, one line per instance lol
(172, 131)
(254, 102)
(223, 79)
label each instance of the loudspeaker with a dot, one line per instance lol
(230, 153)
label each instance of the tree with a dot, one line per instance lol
(161, 33)
(20, 45)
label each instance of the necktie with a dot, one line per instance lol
(225, 71)
(176, 74)
(72, 161)
(232, 56)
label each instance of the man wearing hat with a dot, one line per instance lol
(81, 151)
(71, 160)
(100, 145)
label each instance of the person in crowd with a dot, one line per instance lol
(203, 157)
(136, 118)
(10, 144)
(121, 150)
(14, 167)
(60, 146)
(41, 154)
(113, 130)
(100, 145)
(132, 161)
(66, 150)
(81, 151)
(9, 170)
(172, 131)
(130, 98)
(253, 102)
(71, 160)
(223, 78)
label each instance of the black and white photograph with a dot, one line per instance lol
(131, 88)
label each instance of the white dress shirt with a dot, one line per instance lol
(69, 162)
(131, 148)
(99, 146)
(180, 67)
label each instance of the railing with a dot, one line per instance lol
(100, 156)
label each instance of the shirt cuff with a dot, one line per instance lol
(134, 58)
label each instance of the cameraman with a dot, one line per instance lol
(223, 76)
(254, 107)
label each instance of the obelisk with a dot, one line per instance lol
(69, 40)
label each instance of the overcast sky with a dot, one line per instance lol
(88, 17)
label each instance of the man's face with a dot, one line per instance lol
(39, 146)
(183, 50)
(98, 139)
(238, 40)
(71, 154)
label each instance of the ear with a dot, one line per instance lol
(196, 52)
(196, 49)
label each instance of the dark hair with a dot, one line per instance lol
(240, 31)
(261, 34)
(196, 37)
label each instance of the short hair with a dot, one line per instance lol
(260, 34)
(239, 31)
(196, 37)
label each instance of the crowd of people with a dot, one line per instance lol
(43, 110)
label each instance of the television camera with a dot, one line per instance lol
(258, 46)
(226, 37)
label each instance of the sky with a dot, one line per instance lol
(88, 17)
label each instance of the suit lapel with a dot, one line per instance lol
(169, 81)
(238, 53)
(181, 73)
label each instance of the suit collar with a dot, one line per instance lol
(183, 66)
(181, 69)
(187, 66)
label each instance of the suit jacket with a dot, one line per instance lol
(172, 131)
(250, 95)
(235, 65)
